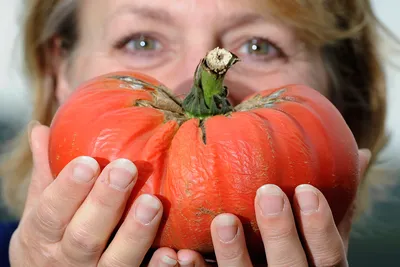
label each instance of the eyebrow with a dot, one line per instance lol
(162, 16)
(151, 13)
(240, 19)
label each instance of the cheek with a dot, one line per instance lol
(318, 78)
(240, 86)
(81, 69)
(314, 74)
(88, 66)
(310, 74)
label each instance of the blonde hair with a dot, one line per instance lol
(344, 30)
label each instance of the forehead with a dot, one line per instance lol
(177, 9)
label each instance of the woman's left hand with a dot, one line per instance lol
(324, 243)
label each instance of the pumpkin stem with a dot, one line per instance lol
(208, 96)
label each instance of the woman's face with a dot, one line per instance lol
(166, 39)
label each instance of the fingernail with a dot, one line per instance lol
(185, 263)
(270, 199)
(147, 208)
(167, 261)
(122, 174)
(366, 153)
(85, 168)
(184, 260)
(307, 198)
(32, 124)
(227, 227)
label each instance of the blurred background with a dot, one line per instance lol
(376, 237)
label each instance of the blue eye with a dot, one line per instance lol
(259, 47)
(143, 43)
(140, 43)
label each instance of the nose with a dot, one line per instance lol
(181, 90)
(181, 78)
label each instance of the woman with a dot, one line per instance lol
(330, 46)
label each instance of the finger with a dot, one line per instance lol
(163, 257)
(229, 242)
(346, 223)
(190, 258)
(344, 227)
(41, 175)
(136, 234)
(277, 227)
(321, 237)
(364, 158)
(61, 199)
(91, 226)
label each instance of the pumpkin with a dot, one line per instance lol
(202, 156)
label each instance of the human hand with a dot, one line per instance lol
(69, 221)
(318, 243)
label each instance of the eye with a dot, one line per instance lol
(139, 43)
(259, 47)
(141, 50)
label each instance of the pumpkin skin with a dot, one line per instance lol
(200, 168)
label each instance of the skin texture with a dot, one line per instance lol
(194, 27)
(286, 136)
(68, 221)
(42, 234)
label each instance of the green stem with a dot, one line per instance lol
(208, 96)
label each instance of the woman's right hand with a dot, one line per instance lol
(68, 221)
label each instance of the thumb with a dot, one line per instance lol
(364, 156)
(344, 228)
(41, 175)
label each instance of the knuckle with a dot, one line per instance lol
(327, 246)
(279, 231)
(231, 254)
(20, 240)
(325, 242)
(103, 202)
(47, 217)
(320, 229)
(23, 234)
(140, 238)
(334, 258)
(113, 260)
(139, 235)
(320, 221)
(292, 262)
(33, 250)
(81, 240)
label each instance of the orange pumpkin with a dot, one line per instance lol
(202, 156)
